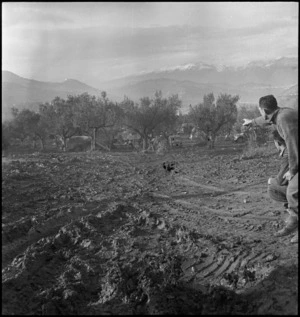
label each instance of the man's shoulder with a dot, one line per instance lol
(287, 110)
(287, 113)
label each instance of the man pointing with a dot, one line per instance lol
(286, 122)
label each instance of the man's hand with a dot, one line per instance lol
(247, 123)
(288, 176)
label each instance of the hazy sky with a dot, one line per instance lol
(99, 41)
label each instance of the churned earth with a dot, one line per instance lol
(115, 233)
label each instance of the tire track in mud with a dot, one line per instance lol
(252, 253)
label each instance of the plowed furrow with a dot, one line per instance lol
(235, 265)
(225, 265)
(208, 271)
(260, 257)
(187, 264)
(249, 258)
(204, 265)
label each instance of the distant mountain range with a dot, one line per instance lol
(27, 93)
(191, 82)
(279, 72)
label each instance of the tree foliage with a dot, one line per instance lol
(18, 125)
(28, 124)
(152, 116)
(7, 134)
(214, 117)
(94, 114)
(61, 118)
(79, 115)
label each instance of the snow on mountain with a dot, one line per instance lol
(180, 67)
(186, 67)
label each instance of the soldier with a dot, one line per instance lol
(286, 123)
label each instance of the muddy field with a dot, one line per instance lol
(115, 233)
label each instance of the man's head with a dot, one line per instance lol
(267, 105)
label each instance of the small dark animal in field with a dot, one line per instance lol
(170, 166)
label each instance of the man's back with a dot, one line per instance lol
(287, 116)
(286, 121)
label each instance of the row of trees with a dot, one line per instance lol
(87, 115)
(99, 116)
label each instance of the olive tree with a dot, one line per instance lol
(60, 115)
(151, 115)
(211, 117)
(95, 115)
(28, 124)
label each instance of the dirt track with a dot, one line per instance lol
(95, 233)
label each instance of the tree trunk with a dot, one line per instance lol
(41, 141)
(93, 142)
(212, 141)
(208, 138)
(145, 143)
(112, 144)
(212, 145)
(35, 144)
(64, 145)
(42, 144)
(57, 143)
